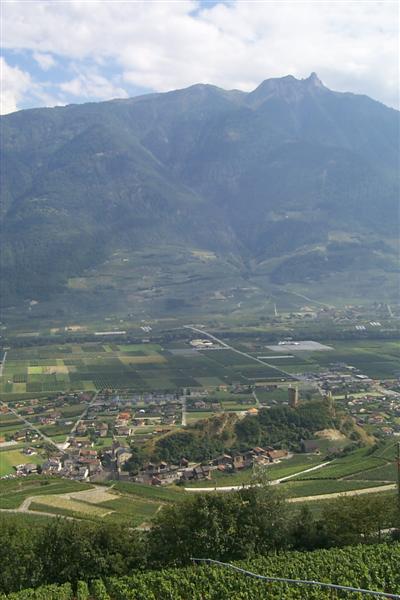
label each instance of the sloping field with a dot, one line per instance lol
(94, 496)
(64, 503)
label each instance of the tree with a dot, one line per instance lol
(356, 520)
(221, 526)
(20, 564)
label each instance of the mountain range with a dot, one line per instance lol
(292, 182)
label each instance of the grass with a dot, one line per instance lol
(130, 510)
(317, 506)
(13, 492)
(386, 472)
(298, 489)
(163, 494)
(124, 507)
(29, 519)
(11, 458)
(287, 467)
(348, 465)
(56, 502)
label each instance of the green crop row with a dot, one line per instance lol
(375, 568)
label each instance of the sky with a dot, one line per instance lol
(71, 51)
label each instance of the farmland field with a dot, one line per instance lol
(139, 367)
(150, 366)
(122, 503)
(276, 471)
(14, 492)
(356, 462)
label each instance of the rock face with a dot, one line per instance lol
(292, 175)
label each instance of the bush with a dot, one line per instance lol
(82, 591)
(98, 590)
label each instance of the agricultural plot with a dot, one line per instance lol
(108, 504)
(14, 491)
(63, 505)
(385, 473)
(301, 489)
(296, 464)
(141, 491)
(138, 367)
(123, 502)
(130, 510)
(378, 359)
(344, 467)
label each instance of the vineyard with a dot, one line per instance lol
(369, 567)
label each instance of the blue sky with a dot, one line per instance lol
(62, 51)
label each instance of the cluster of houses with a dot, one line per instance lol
(80, 462)
(382, 412)
(123, 415)
(163, 473)
(341, 379)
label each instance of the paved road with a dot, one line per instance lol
(59, 447)
(3, 362)
(184, 416)
(228, 347)
(31, 426)
(93, 400)
(308, 299)
(232, 488)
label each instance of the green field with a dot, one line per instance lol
(123, 503)
(13, 492)
(141, 491)
(378, 359)
(12, 457)
(287, 467)
(119, 502)
(300, 489)
(139, 367)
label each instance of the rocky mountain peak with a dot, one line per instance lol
(286, 88)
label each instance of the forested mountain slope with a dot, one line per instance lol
(293, 179)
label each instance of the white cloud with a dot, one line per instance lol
(45, 61)
(93, 85)
(352, 45)
(14, 83)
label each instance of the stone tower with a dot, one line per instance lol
(293, 396)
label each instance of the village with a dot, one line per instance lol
(89, 436)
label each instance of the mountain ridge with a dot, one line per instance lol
(255, 175)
